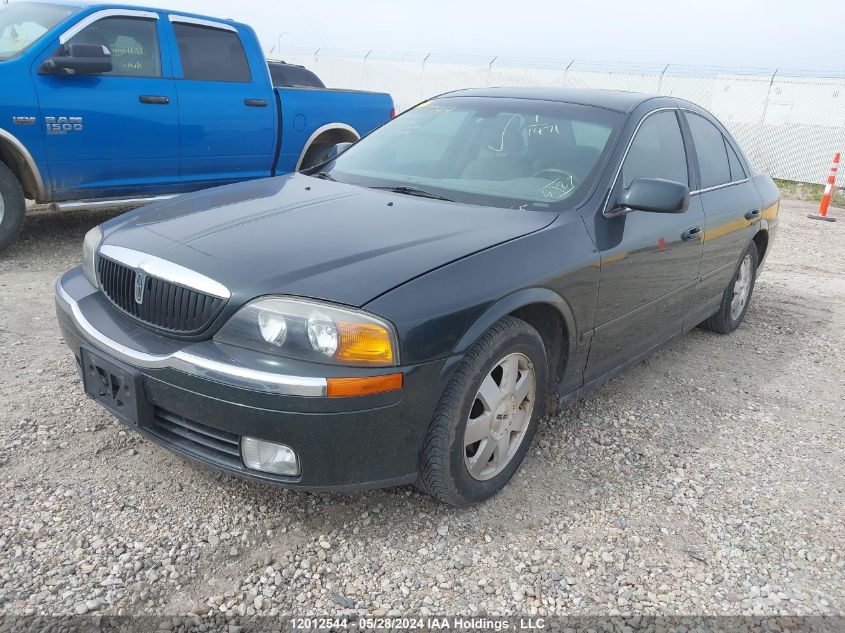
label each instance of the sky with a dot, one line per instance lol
(731, 33)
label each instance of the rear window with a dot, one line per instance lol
(210, 54)
(286, 75)
(737, 172)
(710, 149)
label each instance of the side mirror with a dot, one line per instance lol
(654, 195)
(78, 59)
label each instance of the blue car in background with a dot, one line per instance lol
(110, 105)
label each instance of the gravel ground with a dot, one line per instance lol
(710, 479)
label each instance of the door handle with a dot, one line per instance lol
(690, 234)
(154, 99)
(255, 103)
(752, 214)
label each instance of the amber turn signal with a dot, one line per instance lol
(364, 343)
(364, 386)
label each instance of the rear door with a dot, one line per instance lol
(730, 201)
(114, 133)
(226, 107)
(649, 261)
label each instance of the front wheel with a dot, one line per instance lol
(487, 416)
(12, 207)
(737, 295)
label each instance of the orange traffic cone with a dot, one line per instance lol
(828, 193)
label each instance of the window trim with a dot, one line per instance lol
(105, 13)
(185, 19)
(158, 44)
(606, 211)
(726, 142)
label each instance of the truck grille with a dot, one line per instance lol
(164, 305)
(198, 439)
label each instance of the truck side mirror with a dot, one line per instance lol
(78, 59)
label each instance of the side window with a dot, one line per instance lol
(737, 172)
(210, 54)
(657, 151)
(710, 150)
(133, 43)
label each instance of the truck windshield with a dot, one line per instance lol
(24, 23)
(502, 152)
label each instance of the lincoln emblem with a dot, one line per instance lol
(140, 284)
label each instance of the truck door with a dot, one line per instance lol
(115, 133)
(227, 108)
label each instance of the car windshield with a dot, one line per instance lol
(490, 151)
(24, 23)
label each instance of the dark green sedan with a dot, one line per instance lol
(406, 311)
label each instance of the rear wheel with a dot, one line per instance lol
(737, 295)
(487, 416)
(316, 154)
(12, 207)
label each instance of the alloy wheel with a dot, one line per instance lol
(742, 287)
(499, 416)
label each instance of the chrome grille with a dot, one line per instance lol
(165, 305)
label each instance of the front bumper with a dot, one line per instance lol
(205, 396)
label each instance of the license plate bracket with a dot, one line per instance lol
(116, 386)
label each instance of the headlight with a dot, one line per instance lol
(89, 254)
(312, 330)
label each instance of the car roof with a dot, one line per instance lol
(97, 5)
(618, 100)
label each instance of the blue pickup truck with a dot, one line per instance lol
(116, 105)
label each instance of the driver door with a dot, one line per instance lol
(116, 133)
(649, 261)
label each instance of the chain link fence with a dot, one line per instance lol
(790, 123)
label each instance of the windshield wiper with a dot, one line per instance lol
(413, 191)
(325, 176)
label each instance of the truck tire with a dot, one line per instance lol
(487, 416)
(12, 207)
(316, 154)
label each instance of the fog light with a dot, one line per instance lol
(269, 457)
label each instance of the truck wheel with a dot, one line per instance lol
(737, 295)
(316, 154)
(12, 207)
(487, 415)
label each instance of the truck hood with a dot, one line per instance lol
(304, 236)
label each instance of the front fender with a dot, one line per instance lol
(512, 302)
(440, 314)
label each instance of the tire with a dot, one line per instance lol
(459, 473)
(12, 207)
(315, 155)
(726, 320)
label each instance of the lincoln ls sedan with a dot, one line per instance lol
(406, 311)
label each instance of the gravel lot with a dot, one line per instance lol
(710, 479)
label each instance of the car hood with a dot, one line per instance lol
(304, 236)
